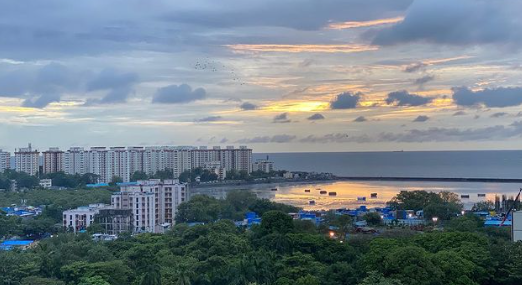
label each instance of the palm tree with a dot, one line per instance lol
(152, 276)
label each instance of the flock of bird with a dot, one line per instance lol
(213, 66)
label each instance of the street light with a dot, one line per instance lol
(434, 219)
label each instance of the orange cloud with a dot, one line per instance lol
(352, 25)
(334, 48)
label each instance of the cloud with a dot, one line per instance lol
(423, 80)
(415, 67)
(268, 139)
(499, 115)
(174, 94)
(298, 48)
(498, 97)
(454, 134)
(360, 119)
(361, 24)
(421, 119)
(403, 98)
(459, 113)
(41, 101)
(335, 138)
(210, 119)
(39, 86)
(282, 118)
(247, 106)
(463, 22)
(346, 100)
(304, 15)
(315, 117)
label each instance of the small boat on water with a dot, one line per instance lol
(307, 190)
(361, 198)
(311, 202)
(373, 195)
(273, 189)
(332, 193)
(481, 195)
(464, 196)
(323, 192)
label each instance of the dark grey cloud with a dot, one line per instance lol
(335, 138)
(423, 80)
(463, 22)
(346, 100)
(360, 119)
(282, 118)
(421, 119)
(119, 86)
(174, 94)
(414, 67)
(110, 79)
(268, 139)
(302, 15)
(248, 106)
(39, 86)
(404, 98)
(454, 134)
(499, 115)
(41, 101)
(209, 119)
(459, 113)
(498, 97)
(315, 117)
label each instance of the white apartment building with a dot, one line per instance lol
(263, 165)
(5, 160)
(53, 160)
(154, 203)
(124, 161)
(82, 217)
(76, 161)
(27, 160)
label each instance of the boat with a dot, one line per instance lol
(273, 189)
(311, 202)
(332, 193)
(464, 196)
(373, 195)
(481, 195)
(307, 190)
(323, 192)
(361, 198)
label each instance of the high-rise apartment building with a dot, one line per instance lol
(153, 203)
(122, 162)
(5, 160)
(76, 161)
(27, 160)
(53, 160)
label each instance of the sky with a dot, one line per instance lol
(276, 75)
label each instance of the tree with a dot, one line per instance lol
(411, 265)
(483, 206)
(152, 275)
(373, 218)
(376, 278)
(443, 205)
(139, 175)
(276, 222)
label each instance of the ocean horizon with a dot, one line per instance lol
(500, 164)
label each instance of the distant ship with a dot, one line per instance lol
(398, 150)
(312, 202)
(323, 192)
(307, 190)
(274, 189)
(332, 193)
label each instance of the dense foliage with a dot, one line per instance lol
(443, 205)
(279, 251)
(54, 202)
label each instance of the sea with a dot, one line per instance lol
(425, 164)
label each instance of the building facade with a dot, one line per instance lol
(153, 203)
(263, 165)
(27, 160)
(79, 219)
(110, 162)
(5, 160)
(53, 160)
